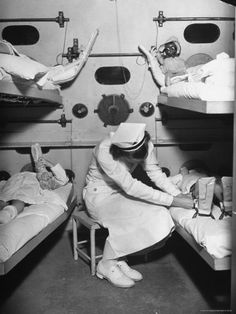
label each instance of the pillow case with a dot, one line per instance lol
(22, 66)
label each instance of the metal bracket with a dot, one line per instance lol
(161, 19)
(60, 19)
(72, 52)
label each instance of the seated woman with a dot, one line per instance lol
(135, 214)
(25, 188)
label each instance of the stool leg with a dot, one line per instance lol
(92, 251)
(75, 238)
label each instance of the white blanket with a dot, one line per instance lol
(213, 81)
(31, 221)
(200, 90)
(213, 234)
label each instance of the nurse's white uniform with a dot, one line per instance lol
(134, 213)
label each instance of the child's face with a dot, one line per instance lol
(170, 50)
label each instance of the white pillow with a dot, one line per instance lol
(23, 67)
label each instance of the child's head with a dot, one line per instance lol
(70, 174)
(4, 175)
(170, 49)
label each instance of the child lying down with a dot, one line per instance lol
(19, 65)
(26, 188)
(206, 190)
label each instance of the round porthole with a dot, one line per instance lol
(21, 34)
(204, 33)
(114, 75)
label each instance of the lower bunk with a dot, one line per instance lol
(19, 237)
(209, 237)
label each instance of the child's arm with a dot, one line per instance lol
(157, 74)
(58, 171)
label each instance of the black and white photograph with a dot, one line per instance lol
(117, 157)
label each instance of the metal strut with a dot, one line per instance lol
(62, 121)
(161, 19)
(60, 19)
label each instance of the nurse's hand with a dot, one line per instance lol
(183, 200)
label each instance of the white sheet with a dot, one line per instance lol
(212, 81)
(30, 222)
(200, 90)
(213, 235)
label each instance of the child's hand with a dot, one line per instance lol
(48, 163)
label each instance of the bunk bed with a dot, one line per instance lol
(20, 78)
(24, 233)
(24, 81)
(25, 93)
(210, 238)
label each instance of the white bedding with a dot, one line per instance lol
(212, 234)
(31, 221)
(212, 81)
(17, 81)
(200, 90)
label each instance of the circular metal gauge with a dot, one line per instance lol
(113, 109)
(80, 111)
(146, 109)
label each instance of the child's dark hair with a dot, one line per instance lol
(4, 175)
(70, 174)
(140, 153)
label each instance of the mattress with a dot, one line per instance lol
(25, 92)
(32, 221)
(212, 234)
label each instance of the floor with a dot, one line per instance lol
(175, 281)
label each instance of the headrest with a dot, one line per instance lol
(129, 136)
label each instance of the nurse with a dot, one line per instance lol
(135, 214)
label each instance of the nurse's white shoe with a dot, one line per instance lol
(129, 272)
(114, 275)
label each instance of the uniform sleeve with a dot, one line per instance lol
(59, 174)
(122, 177)
(156, 175)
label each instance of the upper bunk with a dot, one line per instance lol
(20, 80)
(23, 93)
(200, 84)
(23, 80)
(206, 88)
(198, 105)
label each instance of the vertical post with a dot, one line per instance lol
(233, 263)
(92, 251)
(75, 238)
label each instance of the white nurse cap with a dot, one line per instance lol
(129, 136)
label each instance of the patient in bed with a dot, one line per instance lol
(195, 178)
(168, 68)
(165, 63)
(25, 188)
(21, 66)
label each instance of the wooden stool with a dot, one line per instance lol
(80, 216)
